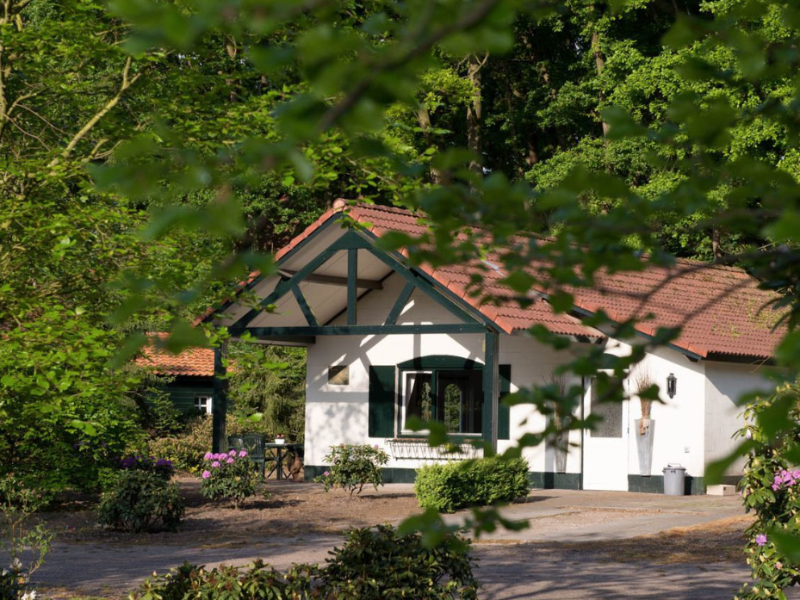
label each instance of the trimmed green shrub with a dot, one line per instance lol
(372, 565)
(141, 501)
(449, 487)
(352, 467)
(229, 476)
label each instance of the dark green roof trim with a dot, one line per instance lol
(440, 361)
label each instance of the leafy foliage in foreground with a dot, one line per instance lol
(140, 501)
(20, 538)
(771, 490)
(483, 482)
(371, 565)
(352, 467)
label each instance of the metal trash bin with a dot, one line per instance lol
(674, 479)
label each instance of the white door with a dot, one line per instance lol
(605, 452)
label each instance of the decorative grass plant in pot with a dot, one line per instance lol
(560, 442)
(645, 426)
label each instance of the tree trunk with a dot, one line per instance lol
(600, 64)
(474, 141)
(424, 118)
(716, 246)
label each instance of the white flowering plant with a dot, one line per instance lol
(18, 503)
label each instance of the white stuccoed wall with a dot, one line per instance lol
(339, 414)
(725, 384)
(679, 420)
(700, 418)
(533, 363)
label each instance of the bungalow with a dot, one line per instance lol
(387, 340)
(190, 374)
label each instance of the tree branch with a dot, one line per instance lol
(467, 21)
(126, 83)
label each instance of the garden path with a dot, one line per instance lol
(581, 545)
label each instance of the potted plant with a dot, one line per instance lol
(560, 441)
(645, 425)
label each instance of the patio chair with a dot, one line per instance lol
(254, 444)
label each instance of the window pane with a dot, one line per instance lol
(459, 403)
(203, 403)
(611, 413)
(453, 397)
(418, 399)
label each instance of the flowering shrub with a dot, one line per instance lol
(161, 466)
(229, 476)
(351, 467)
(371, 565)
(18, 502)
(141, 501)
(771, 489)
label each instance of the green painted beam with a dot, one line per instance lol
(352, 288)
(402, 300)
(422, 282)
(364, 284)
(470, 313)
(491, 388)
(260, 277)
(219, 404)
(347, 241)
(268, 332)
(304, 307)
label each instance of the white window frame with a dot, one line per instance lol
(206, 399)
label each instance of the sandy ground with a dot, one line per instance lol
(578, 544)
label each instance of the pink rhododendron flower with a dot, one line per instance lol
(761, 539)
(215, 464)
(229, 461)
(208, 456)
(242, 453)
(206, 474)
(223, 456)
(326, 473)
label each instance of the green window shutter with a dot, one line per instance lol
(503, 411)
(381, 401)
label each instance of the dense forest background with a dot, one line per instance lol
(90, 125)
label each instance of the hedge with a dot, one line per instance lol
(449, 487)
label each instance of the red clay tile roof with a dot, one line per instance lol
(192, 362)
(719, 308)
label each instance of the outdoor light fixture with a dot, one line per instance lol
(672, 385)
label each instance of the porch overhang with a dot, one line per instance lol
(315, 291)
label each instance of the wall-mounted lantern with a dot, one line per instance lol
(672, 385)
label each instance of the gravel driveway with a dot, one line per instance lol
(543, 561)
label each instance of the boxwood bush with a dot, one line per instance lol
(449, 487)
